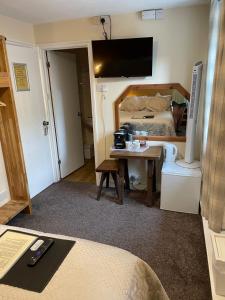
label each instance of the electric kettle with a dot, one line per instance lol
(170, 152)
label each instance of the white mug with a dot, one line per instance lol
(128, 145)
(136, 145)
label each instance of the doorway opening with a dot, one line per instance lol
(69, 80)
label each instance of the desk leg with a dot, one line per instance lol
(154, 180)
(121, 180)
(126, 174)
(149, 200)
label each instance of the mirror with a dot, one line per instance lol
(154, 111)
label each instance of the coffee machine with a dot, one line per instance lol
(121, 136)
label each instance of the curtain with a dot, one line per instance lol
(212, 51)
(213, 189)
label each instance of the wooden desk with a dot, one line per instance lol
(152, 154)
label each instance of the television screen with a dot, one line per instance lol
(123, 57)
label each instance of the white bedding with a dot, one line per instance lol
(161, 124)
(93, 271)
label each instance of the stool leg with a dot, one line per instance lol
(150, 201)
(114, 176)
(121, 180)
(103, 176)
(120, 188)
(107, 180)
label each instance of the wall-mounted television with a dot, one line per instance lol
(123, 57)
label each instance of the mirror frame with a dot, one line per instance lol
(132, 89)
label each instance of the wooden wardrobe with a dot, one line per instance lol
(11, 145)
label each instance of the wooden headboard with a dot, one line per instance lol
(151, 90)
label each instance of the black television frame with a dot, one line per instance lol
(126, 68)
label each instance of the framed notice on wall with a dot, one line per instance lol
(21, 77)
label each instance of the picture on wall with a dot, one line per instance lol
(21, 77)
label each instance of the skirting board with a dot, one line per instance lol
(209, 250)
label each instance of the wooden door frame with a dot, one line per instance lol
(42, 48)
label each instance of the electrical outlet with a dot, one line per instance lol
(106, 17)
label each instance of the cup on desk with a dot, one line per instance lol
(129, 145)
(137, 132)
(136, 145)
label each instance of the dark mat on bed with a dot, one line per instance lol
(37, 277)
(171, 243)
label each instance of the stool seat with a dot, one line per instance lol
(108, 165)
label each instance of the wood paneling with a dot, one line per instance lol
(11, 146)
(3, 62)
(4, 80)
(150, 90)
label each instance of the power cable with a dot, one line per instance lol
(102, 20)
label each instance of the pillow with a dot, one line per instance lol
(133, 103)
(157, 103)
(167, 97)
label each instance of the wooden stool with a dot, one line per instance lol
(108, 167)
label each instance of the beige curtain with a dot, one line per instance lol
(213, 190)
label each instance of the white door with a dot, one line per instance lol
(65, 97)
(31, 114)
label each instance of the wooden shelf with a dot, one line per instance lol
(11, 146)
(11, 209)
(4, 80)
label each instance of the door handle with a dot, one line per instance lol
(79, 114)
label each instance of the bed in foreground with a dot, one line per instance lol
(94, 271)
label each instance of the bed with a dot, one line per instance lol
(94, 271)
(161, 124)
(151, 115)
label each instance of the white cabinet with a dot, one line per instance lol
(180, 188)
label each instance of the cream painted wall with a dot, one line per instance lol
(180, 40)
(18, 31)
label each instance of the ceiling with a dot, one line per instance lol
(42, 11)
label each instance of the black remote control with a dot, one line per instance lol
(39, 253)
(149, 117)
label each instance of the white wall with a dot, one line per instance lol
(180, 40)
(19, 31)
(16, 30)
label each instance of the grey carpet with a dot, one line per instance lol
(171, 243)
